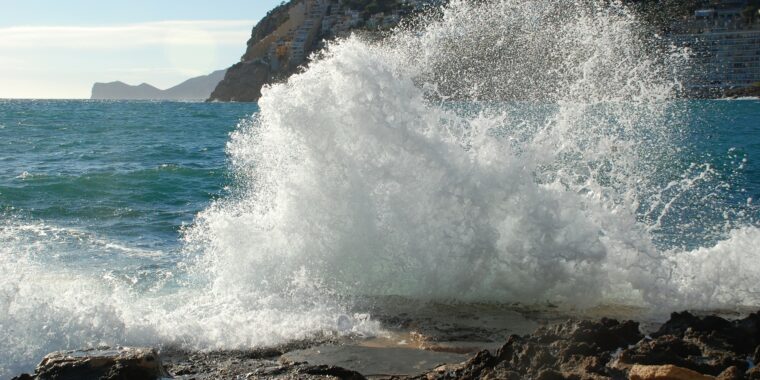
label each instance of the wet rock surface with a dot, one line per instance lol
(685, 347)
(710, 345)
(247, 364)
(120, 363)
(569, 350)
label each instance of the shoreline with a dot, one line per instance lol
(689, 345)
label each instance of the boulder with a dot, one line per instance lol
(121, 363)
(740, 336)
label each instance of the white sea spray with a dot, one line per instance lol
(502, 151)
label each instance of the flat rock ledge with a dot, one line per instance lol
(685, 347)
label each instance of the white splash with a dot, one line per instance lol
(500, 152)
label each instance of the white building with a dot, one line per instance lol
(304, 36)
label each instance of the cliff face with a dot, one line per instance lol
(283, 40)
(242, 83)
(258, 67)
(197, 88)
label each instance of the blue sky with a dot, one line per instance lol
(58, 49)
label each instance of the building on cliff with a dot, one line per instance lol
(724, 37)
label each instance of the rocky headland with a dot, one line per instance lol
(687, 346)
(745, 92)
(284, 39)
(282, 42)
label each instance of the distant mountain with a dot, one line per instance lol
(198, 88)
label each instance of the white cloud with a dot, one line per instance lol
(64, 61)
(174, 33)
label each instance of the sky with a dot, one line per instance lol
(59, 48)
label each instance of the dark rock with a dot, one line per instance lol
(669, 349)
(122, 363)
(248, 364)
(753, 374)
(685, 347)
(550, 374)
(570, 350)
(340, 373)
(740, 336)
(243, 82)
(680, 322)
(666, 349)
(753, 91)
(604, 335)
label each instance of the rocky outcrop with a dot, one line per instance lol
(283, 40)
(198, 88)
(570, 350)
(752, 91)
(144, 364)
(243, 82)
(685, 347)
(708, 345)
(122, 363)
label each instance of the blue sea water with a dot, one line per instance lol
(110, 184)
(133, 173)
(130, 174)
(102, 189)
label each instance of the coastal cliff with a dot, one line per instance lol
(283, 40)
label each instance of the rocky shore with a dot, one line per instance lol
(687, 346)
(752, 91)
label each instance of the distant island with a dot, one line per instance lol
(198, 88)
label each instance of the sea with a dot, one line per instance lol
(391, 168)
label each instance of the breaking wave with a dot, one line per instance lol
(506, 151)
(501, 151)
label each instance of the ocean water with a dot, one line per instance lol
(498, 153)
(130, 172)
